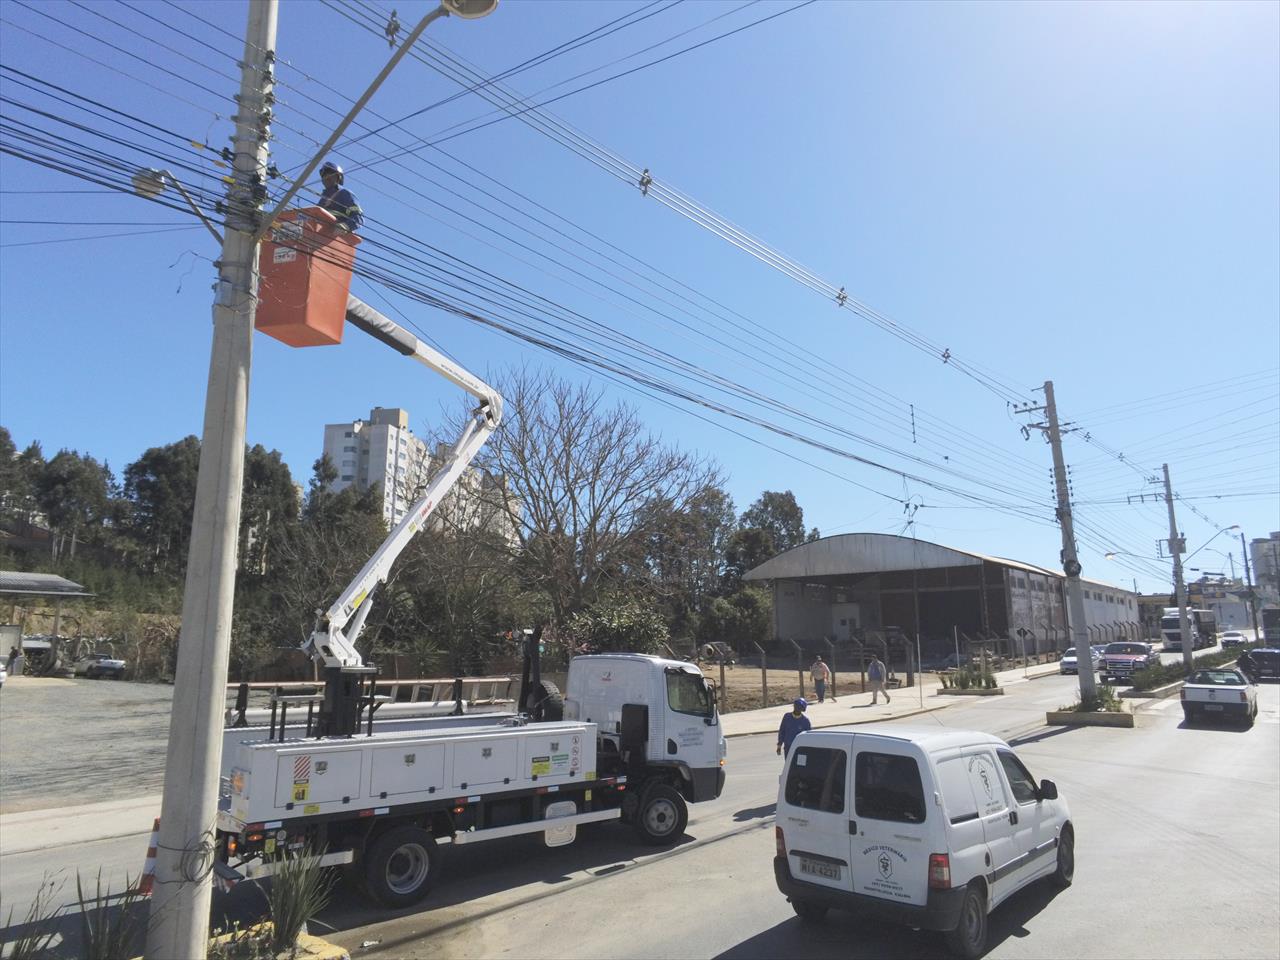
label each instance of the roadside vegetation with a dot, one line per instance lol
(578, 518)
(1160, 674)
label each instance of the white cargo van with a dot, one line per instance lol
(928, 827)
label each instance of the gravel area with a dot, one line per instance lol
(69, 742)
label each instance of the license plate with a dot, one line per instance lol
(816, 868)
(1213, 706)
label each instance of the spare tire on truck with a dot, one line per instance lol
(549, 702)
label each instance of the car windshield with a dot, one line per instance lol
(1069, 652)
(1218, 678)
(1126, 648)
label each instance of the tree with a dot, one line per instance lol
(575, 481)
(779, 515)
(161, 486)
(685, 551)
(618, 622)
(19, 473)
(747, 548)
(739, 619)
(72, 492)
(268, 507)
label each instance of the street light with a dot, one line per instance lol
(1234, 526)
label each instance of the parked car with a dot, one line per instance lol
(4, 673)
(97, 665)
(1233, 638)
(1069, 663)
(1120, 661)
(1260, 663)
(1220, 694)
(925, 827)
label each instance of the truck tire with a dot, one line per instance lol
(400, 866)
(550, 704)
(969, 938)
(661, 815)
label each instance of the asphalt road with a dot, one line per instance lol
(1177, 851)
(1186, 817)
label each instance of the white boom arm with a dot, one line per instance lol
(333, 641)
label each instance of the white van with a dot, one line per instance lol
(927, 827)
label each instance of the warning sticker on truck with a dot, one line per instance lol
(300, 792)
(540, 766)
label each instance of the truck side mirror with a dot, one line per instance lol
(1048, 790)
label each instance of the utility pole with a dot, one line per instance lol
(1248, 579)
(1070, 562)
(1176, 549)
(179, 923)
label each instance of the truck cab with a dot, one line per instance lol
(655, 717)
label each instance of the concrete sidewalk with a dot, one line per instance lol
(856, 707)
(65, 826)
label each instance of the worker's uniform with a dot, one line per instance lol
(342, 204)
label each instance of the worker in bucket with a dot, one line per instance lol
(338, 200)
(793, 724)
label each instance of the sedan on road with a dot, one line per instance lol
(1069, 663)
(97, 665)
(1233, 638)
(1219, 694)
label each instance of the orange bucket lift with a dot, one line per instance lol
(304, 278)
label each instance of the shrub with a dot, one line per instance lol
(111, 930)
(300, 889)
(31, 938)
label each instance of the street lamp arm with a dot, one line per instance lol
(466, 9)
(1234, 526)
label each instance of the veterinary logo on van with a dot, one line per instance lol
(885, 865)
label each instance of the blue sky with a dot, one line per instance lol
(1088, 193)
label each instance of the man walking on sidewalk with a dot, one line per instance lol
(821, 673)
(875, 676)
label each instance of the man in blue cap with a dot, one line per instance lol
(793, 724)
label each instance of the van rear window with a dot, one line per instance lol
(887, 787)
(816, 779)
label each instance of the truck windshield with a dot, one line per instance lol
(688, 693)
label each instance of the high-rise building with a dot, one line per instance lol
(379, 452)
(1265, 552)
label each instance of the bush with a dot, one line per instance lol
(1105, 701)
(300, 889)
(111, 931)
(31, 937)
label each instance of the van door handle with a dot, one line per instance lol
(853, 828)
(1013, 816)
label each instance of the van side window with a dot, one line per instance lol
(816, 779)
(1024, 787)
(987, 784)
(957, 797)
(887, 787)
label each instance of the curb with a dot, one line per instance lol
(1072, 718)
(846, 723)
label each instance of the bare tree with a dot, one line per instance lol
(574, 482)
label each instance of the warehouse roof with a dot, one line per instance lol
(854, 553)
(15, 583)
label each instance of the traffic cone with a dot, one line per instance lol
(147, 880)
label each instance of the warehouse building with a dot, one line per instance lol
(838, 588)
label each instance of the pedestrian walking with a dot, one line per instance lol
(875, 676)
(793, 724)
(14, 653)
(820, 673)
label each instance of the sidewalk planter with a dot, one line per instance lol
(971, 692)
(1088, 718)
(1155, 693)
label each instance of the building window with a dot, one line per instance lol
(348, 435)
(348, 477)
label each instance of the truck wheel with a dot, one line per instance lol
(551, 703)
(1066, 870)
(969, 937)
(808, 911)
(401, 866)
(661, 816)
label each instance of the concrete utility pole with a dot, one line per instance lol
(1070, 563)
(179, 924)
(1177, 548)
(1248, 579)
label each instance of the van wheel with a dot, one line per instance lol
(969, 938)
(661, 815)
(401, 865)
(808, 911)
(1066, 870)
